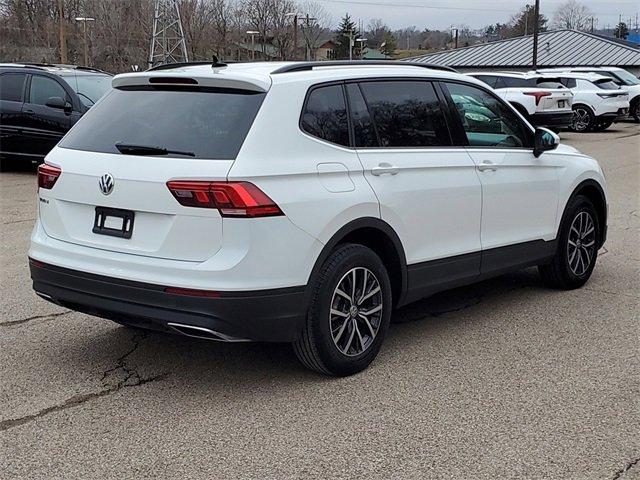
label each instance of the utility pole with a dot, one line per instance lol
(295, 36)
(536, 23)
(62, 32)
(168, 43)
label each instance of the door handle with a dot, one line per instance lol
(29, 112)
(487, 165)
(384, 169)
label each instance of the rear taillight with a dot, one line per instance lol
(538, 95)
(48, 175)
(232, 199)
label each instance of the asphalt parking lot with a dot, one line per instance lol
(504, 379)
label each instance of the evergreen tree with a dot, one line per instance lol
(389, 45)
(522, 23)
(346, 32)
(621, 31)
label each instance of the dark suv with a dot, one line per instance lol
(40, 103)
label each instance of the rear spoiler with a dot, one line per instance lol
(195, 77)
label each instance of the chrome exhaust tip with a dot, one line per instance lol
(204, 333)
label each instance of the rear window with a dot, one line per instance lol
(211, 123)
(606, 84)
(406, 114)
(514, 82)
(11, 86)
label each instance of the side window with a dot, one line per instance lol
(43, 88)
(488, 79)
(514, 82)
(325, 115)
(363, 130)
(569, 82)
(406, 113)
(500, 83)
(11, 86)
(487, 121)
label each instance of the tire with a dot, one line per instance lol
(333, 346)
(634, 111)
(583, 119)
(602, 125)
(567, 270)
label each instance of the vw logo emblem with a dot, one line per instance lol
(106, 183)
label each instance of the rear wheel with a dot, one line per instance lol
(634, 111)
(577, 248)
(349, 313)
(583, 119)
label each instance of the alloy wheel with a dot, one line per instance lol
(356, 311)
(581, 245)
(581, 119)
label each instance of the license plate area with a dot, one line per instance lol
(561, 104)
(114, 222)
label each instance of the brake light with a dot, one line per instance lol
(48, 176)
(538, 95)
(232, 199)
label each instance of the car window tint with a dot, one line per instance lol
(606, 84)
(212, 123)
(406, 113)
(488, 79)
(569, 82)
(11, 86)
(363, 129)
(325, 115)
(514, 82)
(43, 88)
(487, 121)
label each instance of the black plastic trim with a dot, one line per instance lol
(273, 315)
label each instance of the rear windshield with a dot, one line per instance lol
(606, 84)
(210, 123)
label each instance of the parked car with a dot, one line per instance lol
(597, 100)
(40, 103)
(543, 101)
(620, 77)
(303, 202)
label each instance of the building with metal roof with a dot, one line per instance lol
(557, 48)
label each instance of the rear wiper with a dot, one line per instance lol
(149, 150)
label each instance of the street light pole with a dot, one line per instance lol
(84, 20)
(253, 43)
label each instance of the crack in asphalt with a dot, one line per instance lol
(130, 378)
(626, 468)
(50, 316)
(19, 221)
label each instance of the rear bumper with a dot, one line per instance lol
(265, 315)
(620, 113)
(552, 119)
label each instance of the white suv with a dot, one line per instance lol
(620, 77)
(597, 100)
(542, 101)
(303, 202)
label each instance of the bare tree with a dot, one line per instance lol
(315, 23)
(573, 15)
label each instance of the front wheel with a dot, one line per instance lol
(634, 112)
(577, 248)
(349, 313)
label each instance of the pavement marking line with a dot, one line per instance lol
(626, 468)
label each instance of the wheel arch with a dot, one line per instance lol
(591, 189)
(380, 237)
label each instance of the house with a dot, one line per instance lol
(557, 48)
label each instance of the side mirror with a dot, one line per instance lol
(60, 103)
(545, 140)
(56, 102)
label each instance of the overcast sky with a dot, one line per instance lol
(474, 13)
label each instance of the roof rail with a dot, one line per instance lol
(306, 66)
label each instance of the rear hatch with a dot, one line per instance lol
(112, 193)
(553, 95)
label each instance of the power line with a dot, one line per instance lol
(413, 5)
